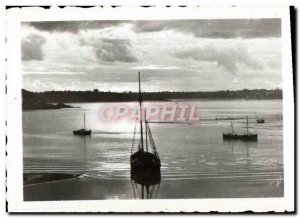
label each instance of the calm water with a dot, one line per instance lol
(196, 163)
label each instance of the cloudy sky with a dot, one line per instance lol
(172, 55)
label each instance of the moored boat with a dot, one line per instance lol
(244, 137)
(259, 120)
(82, 131)
(143, 160)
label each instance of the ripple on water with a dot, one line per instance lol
(211, 163)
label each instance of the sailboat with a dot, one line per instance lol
(245, 137)
(259, 120)
(82, 131)
(143, 160)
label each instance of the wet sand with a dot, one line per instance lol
(36, 178)
(89, 188)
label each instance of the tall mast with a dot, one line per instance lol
(247, 125)
(146, 131)
(141, 120)
(83, 120)
(232, 127)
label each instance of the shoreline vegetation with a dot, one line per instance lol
(30, 101)
(37, 178)
(54, 99)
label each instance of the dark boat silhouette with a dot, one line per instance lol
(259, 120)
(82, 131)
(143, 160)
(244, 137)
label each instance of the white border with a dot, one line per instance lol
(14, 114)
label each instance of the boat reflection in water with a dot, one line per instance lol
(237, 146)
(145, 185)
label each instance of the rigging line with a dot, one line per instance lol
(133, 138)
(152, 142)
(157, 190)
(151, 139)
(141, 120)
(139, 145)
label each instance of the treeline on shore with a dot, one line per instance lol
(98, 96)
(31, 101)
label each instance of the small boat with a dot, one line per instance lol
(82, 131)
(259, 120)
(143, 160)
(244, 137)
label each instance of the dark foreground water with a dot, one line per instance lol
(196, 162)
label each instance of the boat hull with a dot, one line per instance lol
(249, 137)
(260, 121)
(82, 132)
(144, 161)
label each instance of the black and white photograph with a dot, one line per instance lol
(169, 108)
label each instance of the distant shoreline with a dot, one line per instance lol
(98, 96)
(177, 100)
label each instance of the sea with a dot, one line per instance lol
(195, 160)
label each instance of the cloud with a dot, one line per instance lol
(52, 72)
(227, 57)
(170, 55)
(31, 47)
(71, 26)
(112, 50)
(222, 28)
(216, 28)
(154, 67)
(54, 26)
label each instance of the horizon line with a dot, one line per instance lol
(93, 90)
